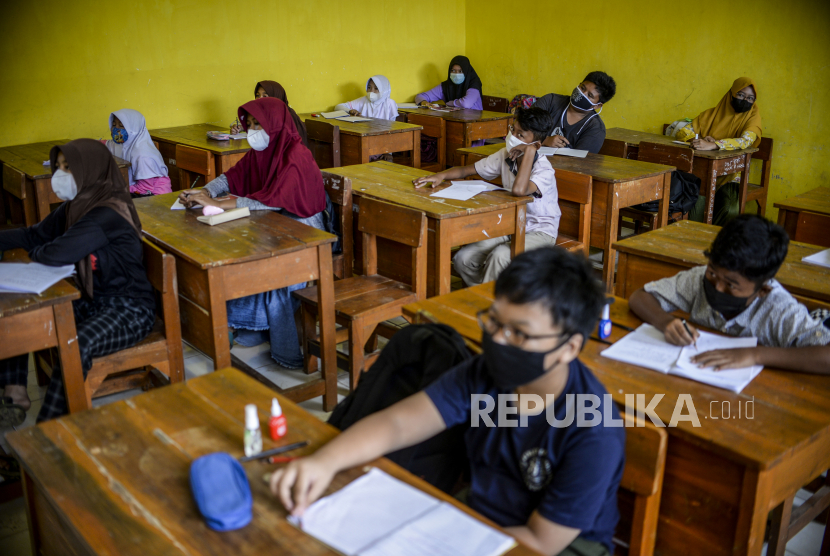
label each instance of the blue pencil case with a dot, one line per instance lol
(221, 490)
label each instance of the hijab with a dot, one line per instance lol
(284, 174)
(99, 184)
(384, 107)
(275, 90)
(471, 81)
(722, 122)
(145, 159)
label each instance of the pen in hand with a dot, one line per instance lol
(686, 326)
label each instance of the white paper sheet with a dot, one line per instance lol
(32, 277)
(354, 119)
(646, 347)
(178, 206)
(407, 105)
(335, 114)
(485, 184)
(822, 258)
(550, 151)
(730, 379)
(459, 191)
(242, 135)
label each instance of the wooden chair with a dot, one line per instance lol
(194, 164)
(495, 104)
(758, 192)
(786, 521)
(324, 142)
(641, 487)
(361, 303)
(340, 193)
(436, 128)
(161, 350)
(614, 147)
(679, 157)
(575, 203)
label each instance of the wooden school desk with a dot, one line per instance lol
(466, 126)
(722, 478)
(115, 480)
(30, 322)
(361, 140)
(665, 252)
(26, 178)
(450, 223)
(617, 183)
(707, 165)
(215, 264)
(806, 217)
(193, 142)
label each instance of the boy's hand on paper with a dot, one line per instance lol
(676, 333)
(432, 181)
(727, 358)
(300, 483)
(198, 197)
(556, 141)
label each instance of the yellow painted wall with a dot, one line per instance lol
(67, 64)
(672, 60)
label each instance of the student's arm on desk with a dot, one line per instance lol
(809, 359)
(454, 173)
(646, 306)
(406, 423)
(543, 535)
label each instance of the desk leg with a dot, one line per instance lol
(663, 206)
(43, 189)
(442, 257)
(416, 148)
(711, 184)
(744, 187)
(29, 204)
(752, 513)
(364, 150)
(70, 357)
(218, 319)
(612, 220)
(31, 510)
(517, 243)
(325, 304)
(622, 274)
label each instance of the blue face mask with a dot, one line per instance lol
(457, 78)
(119, 134)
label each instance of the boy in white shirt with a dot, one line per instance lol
(523, 172)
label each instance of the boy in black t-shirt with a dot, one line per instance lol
(549, 479)
(576, 121)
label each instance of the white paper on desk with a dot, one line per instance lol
(354, 119)
(822, 258)
(550, 151)
(730, 379)
(444, 531)
(32, 277)
(407, 105)
(485, 184)
(364, 511)
(335, 114)
(646, 347)
(459, 191)
(178, 206)
(46, 163)
(243, 135)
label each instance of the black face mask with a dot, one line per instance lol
(510, 366)
(727, 305)
(578, 100)
(740, 106)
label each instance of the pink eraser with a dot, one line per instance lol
(211, 211)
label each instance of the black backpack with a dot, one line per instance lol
(414, 358)
(685, 188)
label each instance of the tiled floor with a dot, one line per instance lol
(14, 534)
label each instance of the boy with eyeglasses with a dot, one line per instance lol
(523, 171)
(553, 488)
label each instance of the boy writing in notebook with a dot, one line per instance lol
(552, 487)
(736, 294)
(523, 172)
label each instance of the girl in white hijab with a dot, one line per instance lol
(131, 141)
(376, 103)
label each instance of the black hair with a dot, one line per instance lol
(606, 85)
(535, 120)
(564, 282)
(750, 245)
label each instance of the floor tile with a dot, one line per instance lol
(12, 518)
(197, 365)
(808, 541)
(16, 545)
(256, 357)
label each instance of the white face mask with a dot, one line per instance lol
(457, 78)
(64, 186)
(373, 97)
(258, 139)
(512, 142)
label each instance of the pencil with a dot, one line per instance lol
(686, 326)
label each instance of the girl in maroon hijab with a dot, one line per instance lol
(278, 174)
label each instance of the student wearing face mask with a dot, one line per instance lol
(735, 123)
(523, 172)
(554, 488)
(131, 141)
(462, 88)
(96, 229)
(272, 89)
(576, 118)
(736, 294)
(277, 174)
(376, 103)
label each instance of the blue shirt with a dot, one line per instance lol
(569, 474)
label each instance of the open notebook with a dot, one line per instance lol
(822, 258)
(31, 277)
(647, 347)
(550, 151)
(378, 515)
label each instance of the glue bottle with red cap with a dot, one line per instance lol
(277, 423)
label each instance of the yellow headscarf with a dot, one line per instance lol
(722, 122)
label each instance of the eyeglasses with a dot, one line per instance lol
(513, 336)
(741, 96)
